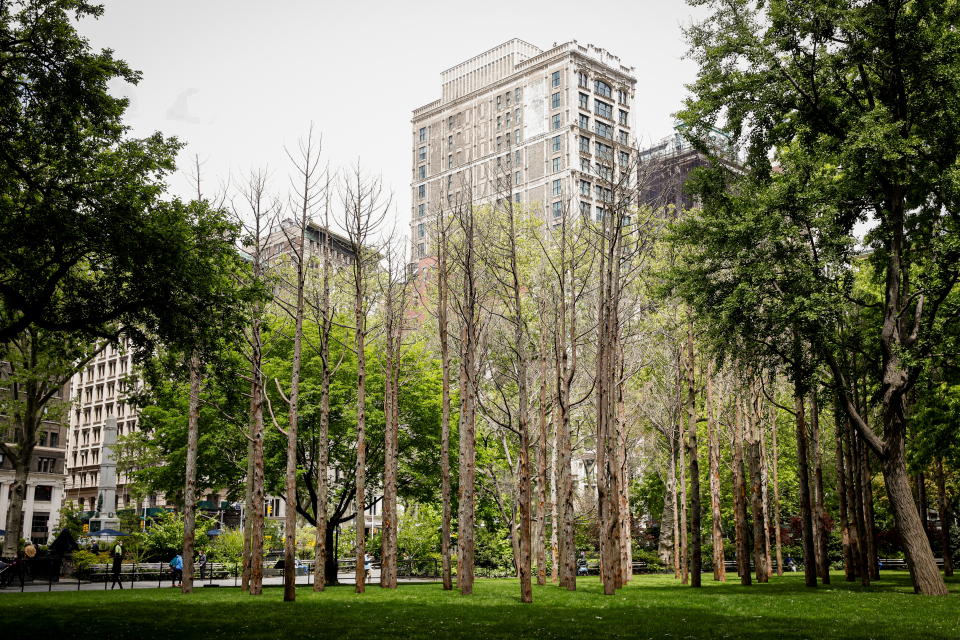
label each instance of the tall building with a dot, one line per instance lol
(99, 393)
(45, 483)
(520, 122)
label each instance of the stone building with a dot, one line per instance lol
(45, 484)
(537, 127)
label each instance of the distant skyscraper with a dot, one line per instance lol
(522, 123)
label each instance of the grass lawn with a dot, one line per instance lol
(650, 607)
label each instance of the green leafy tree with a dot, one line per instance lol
(854, 103)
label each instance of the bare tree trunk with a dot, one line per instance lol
(684, 549)
(255, 515)
(855, 484)
(719, 568)
(848, 568)
(873, 564)
(190, 489)
(776, 487)
(360, 320)
(247, 506)
(765, 493)
(542, 508)
(675, 502)
(756, 482)
(946, 518)
(325, 318)
(692, 445)
(820, 513)
(740, 498)
(806, 512)
(443, 289)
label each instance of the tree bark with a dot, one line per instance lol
(776, 488)
(190, 488)
(820, 512)
(740, 499)
(756, 484)
(695, 526)
(719, 567)
(946, 518)
(443, 289)
(806, 512)
(848, 568)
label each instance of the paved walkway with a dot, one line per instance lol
(71, 584)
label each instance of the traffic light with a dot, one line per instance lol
(86, 528)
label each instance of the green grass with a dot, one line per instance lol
(650, 607)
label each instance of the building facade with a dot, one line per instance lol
(100, 392)
(537, 127)
(45, 484)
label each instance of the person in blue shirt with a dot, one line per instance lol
(177, 565)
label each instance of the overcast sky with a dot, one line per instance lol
(237, 80)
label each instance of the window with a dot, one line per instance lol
(421, 209)
(603, 89)
(422, 191)
(38, 525)
(449, 142)
(450, 161)
(556, 143)
(585, 188)
(600, 214)
(516, 197)
(624, 158)
(423, 134)
(516, 157)
(46, 465)
(43, 493)
(557, 209)
(450, 122)
(421, 250)
(509, 113)
(604, 130)
(556, 164)
(517, 177)
(556, 187)
(516, 135)
(555, 121)
(499, 122)
(622, 119)
(516, 116)
(54, 439)
(555, 79)
(421, 230)
(585, 165)
(555, 100)
(584, 121)
(621, 96)
(585, 209)
(421, 172)
(603, 194)
(422, 154)
(507, 95)
(499, 142)
(623, 137)
(499, 102)
(603, 109)
(516, 94)
(584, 101)
(582, 79)
(584, 144)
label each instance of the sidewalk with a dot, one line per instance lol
(71, 584)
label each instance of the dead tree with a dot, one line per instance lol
(365, 208)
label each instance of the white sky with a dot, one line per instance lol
(237, 80)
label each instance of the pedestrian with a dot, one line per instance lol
(117, 562)
(367, 565)
(177, 566)
(202, 563)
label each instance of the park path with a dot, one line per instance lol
(71, 584)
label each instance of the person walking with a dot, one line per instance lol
(202, 563)
(177, 575)
(117, 563)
